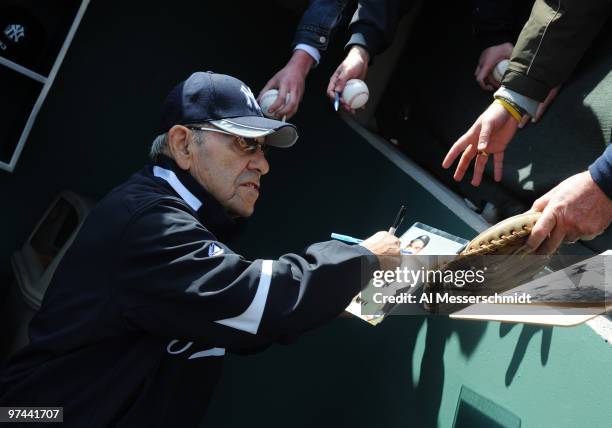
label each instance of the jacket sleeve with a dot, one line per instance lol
(318, 22)
(601, 171)
(177, 281)
(374, 24)
(493, 22)
(552, 42)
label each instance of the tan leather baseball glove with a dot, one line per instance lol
(499, 254)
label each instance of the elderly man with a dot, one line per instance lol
(135, 324)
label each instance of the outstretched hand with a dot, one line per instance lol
(489, 135)
(354, 66)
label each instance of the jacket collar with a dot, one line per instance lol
(209, 211)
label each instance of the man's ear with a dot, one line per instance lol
(180, 149)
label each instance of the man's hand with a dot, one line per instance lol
(487, 62)
(387, 247)
(290, 82)
(576, 209)
(489, 135)
(354, 66)
(541, 107)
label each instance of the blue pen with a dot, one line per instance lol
(346, 238)
(351, 240)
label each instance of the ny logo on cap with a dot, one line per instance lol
(14, 32)
(250, 98)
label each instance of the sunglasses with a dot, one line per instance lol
(247, 145)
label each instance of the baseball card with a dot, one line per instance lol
(423, 239)
(419, 239)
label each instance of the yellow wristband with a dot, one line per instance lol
(510, 108)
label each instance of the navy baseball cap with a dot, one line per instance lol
(227, 103)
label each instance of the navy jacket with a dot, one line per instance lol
(375, 23)
(499, 21)
(601, 171)
(135, 323)
(318, 22)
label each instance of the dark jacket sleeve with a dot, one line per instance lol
(601, 171)
(177, 281)
(552, 42)
(318, 22)
(375, 22)
(498, 21)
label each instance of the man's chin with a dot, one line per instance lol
(242, 212)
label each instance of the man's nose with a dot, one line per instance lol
(259, 162)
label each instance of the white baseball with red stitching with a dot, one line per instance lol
(355, 93)
(267, 99)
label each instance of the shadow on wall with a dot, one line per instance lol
(528, 333)
(348, 374)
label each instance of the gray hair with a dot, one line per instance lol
(159, 146)
(160, 143)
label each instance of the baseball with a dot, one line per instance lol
(355, 93)
(500, 69)
(267, 99)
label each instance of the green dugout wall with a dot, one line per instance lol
(95, 129)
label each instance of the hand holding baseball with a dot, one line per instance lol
(489, 135)
(289, 82)
(489, 58)
(354, 66)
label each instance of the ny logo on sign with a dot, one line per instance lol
(14, 32)
(250, 98)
